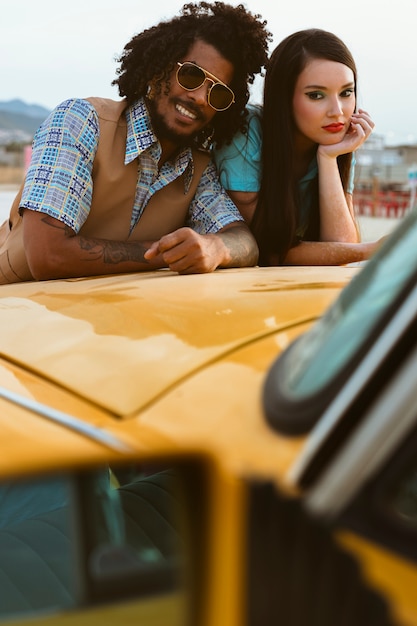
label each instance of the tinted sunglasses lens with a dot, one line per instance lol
(220, 97)
(190, 76)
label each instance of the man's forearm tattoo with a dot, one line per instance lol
(113, 252)
(109, 251)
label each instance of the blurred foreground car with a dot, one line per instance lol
(212, 450)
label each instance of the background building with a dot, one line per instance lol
(385, 178)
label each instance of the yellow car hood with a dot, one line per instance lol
(121, 342)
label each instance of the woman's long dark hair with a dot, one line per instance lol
(276, 217)
(237, 34)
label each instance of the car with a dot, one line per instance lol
(226, 448)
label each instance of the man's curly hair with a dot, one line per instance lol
(237, 34)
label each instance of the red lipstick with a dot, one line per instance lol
(334, 128)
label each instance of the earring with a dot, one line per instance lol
(149, 93)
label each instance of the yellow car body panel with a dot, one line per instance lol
(220, 409)
(157, 611)
(121, 342)
(395, 578)
(137, 354)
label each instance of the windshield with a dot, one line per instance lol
(323, 352)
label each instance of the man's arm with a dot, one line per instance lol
(53, 250)
(187, 252)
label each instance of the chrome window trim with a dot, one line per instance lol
(389, 420)
(356, 383)
(68, 421)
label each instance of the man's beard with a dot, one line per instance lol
(163, 131)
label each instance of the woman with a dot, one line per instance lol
(301, 208)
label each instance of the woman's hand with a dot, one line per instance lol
(361, 126)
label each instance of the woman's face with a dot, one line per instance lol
(323, 102)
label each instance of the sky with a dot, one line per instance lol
(50, 50)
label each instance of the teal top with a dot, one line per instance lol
(239, 165)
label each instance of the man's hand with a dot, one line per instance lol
(187, 252)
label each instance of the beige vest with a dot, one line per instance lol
(113, 197)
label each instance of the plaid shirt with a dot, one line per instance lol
(59, 180)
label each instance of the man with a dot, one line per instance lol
(124, 186)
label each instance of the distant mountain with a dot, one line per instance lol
(19, 119)
(18, 106)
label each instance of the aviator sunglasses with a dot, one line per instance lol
(191, 76)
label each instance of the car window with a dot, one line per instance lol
(324, 351)
(69, 540)
(35, 546)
